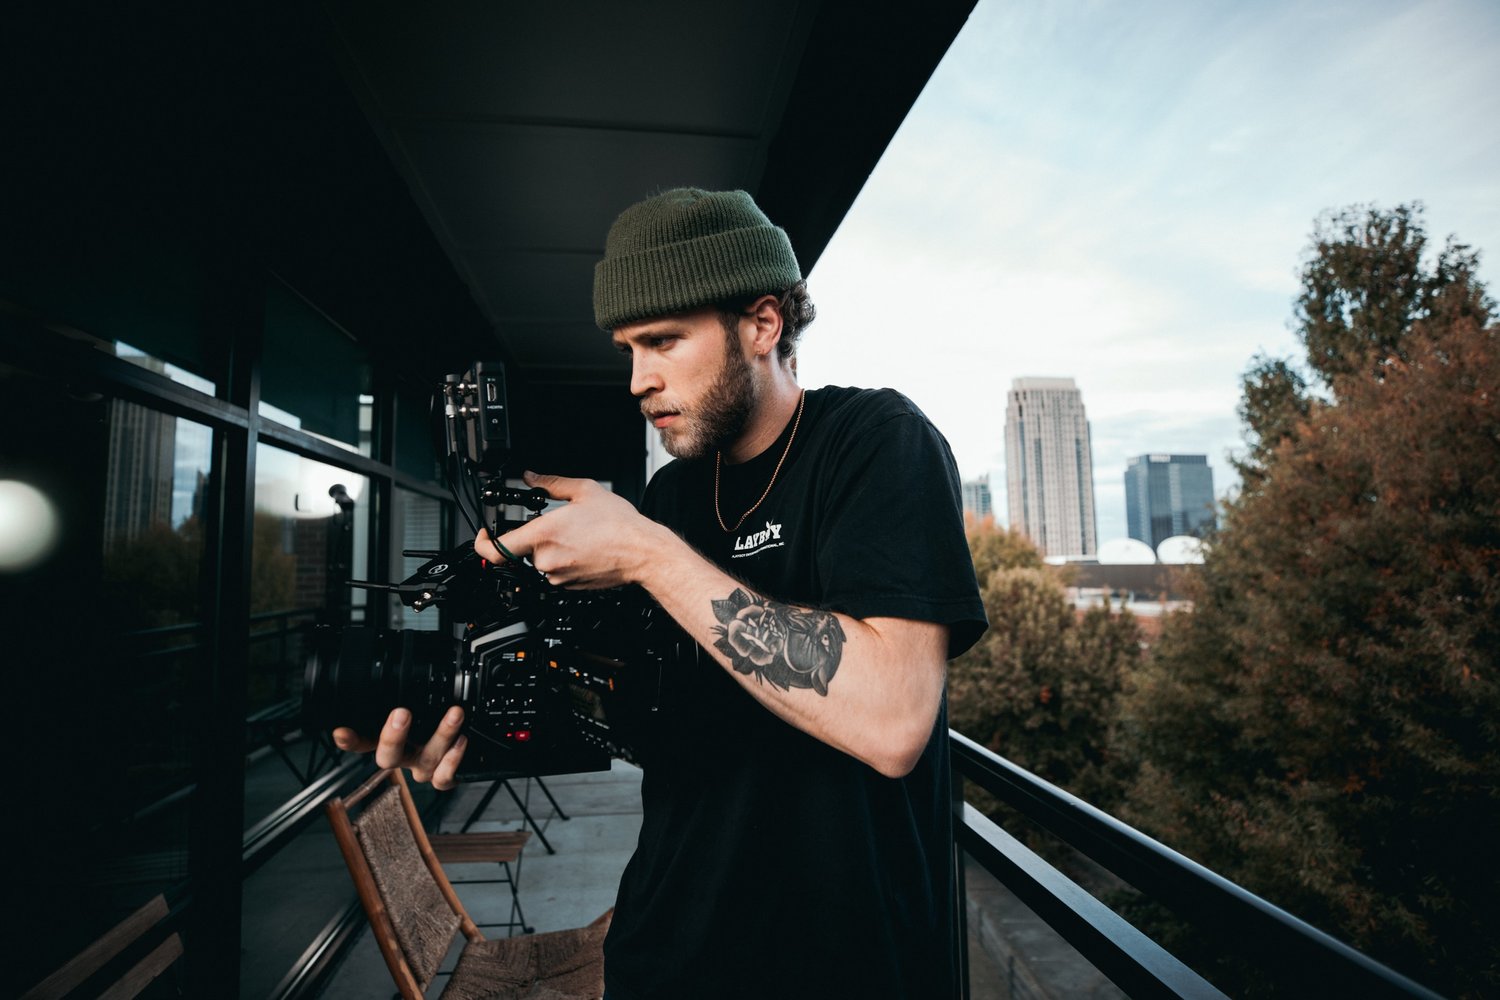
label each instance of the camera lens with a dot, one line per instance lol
(356, 675)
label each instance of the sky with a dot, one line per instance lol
(1123, 192)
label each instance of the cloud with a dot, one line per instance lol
(1123, 193)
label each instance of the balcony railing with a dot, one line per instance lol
(1289, 956)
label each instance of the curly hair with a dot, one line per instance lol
(796, 308)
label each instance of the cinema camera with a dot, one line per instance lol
(551, 681)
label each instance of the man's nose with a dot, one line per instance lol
(644, 378)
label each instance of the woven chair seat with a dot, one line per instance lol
(557, 965)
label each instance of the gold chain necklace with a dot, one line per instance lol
(719, 461)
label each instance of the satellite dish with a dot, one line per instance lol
(1180, 549)
(1125, 552)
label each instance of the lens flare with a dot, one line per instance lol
(28, 526)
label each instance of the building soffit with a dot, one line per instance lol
(522, 130)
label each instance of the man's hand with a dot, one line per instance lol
(597, 540)
(436, 761)
(879, 710)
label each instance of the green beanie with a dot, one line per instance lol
(687, 248)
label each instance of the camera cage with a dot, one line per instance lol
(552, 681)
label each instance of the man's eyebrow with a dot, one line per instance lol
(650, 333)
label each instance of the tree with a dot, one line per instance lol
(1041, 687)
(1322, 727)
(1365, 286)
(1274, 402)
(993, 547)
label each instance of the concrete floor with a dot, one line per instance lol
(1014, 955)
(566, 889)
(1011, 953)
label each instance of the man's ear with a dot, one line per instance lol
(765, 313)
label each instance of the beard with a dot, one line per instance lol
(719, 416)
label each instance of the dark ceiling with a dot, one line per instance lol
(435, 177)
(521, 130)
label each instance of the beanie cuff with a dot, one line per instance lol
(691, 274)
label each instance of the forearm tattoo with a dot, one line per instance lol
(784, 646)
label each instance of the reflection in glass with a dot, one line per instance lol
(114, 644)
(421, 524)
(416, 445)
(310, 539)
(314, 377)
(286, 904)
(137, 299)
(158, 468)
(177, 374)
(155, 490)
(291, 900)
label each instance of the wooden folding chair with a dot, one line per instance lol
(414, 912)
(501, 848)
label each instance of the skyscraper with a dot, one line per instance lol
(1049, 466)
(977, 497)
(138, 488)
(1168, 495)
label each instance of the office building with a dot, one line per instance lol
(1168, 495)
(1049, 466)
(976, 493)
(138, 486)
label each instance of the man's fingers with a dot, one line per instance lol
(390, 749)
(432, 753)
(437, 761)
(347, 739)
(518, 543)
(486, 547)
(445, 775)
(557, 487)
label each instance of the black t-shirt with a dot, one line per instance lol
(769, 863)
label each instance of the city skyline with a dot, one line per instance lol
(1123, 195)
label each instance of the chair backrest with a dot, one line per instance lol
(412, 908)
(96, 956)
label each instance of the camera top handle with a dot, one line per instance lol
(476, 425)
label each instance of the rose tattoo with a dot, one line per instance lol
(785, 646)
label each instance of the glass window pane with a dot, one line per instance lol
(176, 373)
(420, 524)
(138, 301)
(291, 899)
(416, 447)
(287, 903)
(313, 376)
(100, 591)
(310, 539)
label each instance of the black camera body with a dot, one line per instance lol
(551, 681)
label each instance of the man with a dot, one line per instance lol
(796, 830)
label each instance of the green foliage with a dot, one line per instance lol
(273, 570)
(993, 547)
(1274, 402)
(1041, 687)
(1364, 286)
(1324, 727)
